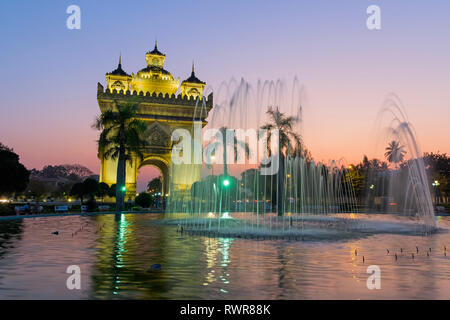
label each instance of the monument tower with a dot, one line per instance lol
(154, 89)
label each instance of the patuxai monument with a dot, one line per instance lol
(155, 90)
(318, 170)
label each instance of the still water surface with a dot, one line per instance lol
(115, 256)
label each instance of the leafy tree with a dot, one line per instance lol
(368, 178)
(14, 175)
(72, 172)
(37, 189)
(61, 189)
(59, 179)
(144, 200)
(437, 166)
(357, 178)
(155, 185)
(77, 170)
(103, 190)
(53, 172)
(90, 187)
(78, 191)
(112, 190)
(288, 141)
(121, 138)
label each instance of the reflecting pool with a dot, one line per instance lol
(115, 257)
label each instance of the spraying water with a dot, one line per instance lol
(300, 198)
(405, 188)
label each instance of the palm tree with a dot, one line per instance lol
(121, 137)
(235, 144)
(288, 142)
(395, 153)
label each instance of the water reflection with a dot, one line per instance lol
(115, 256)
(10, 235)
(224, 249)
(217, 254)
(119, 268)
(211, 258)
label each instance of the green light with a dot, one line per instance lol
(124, 189)
(226, 182)
(372, 186)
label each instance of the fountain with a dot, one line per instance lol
(406, 188)
(302, 199)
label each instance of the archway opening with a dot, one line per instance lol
(153, 177)
(145, 175)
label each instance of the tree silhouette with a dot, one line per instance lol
(288, 142)
(121, 138)
(395, 153)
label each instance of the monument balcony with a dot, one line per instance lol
(154, 98)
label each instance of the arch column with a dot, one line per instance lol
(108, 175)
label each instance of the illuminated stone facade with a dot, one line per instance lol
(154, 89)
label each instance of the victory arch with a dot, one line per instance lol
(154, 90)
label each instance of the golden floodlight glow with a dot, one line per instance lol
(226, 215)
(166, 105)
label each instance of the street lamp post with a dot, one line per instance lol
(436, 184)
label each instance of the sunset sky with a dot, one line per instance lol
(49, 73)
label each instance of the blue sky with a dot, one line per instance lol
(49, 73)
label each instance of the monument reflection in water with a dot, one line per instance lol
(318, 200)
(115, 257)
